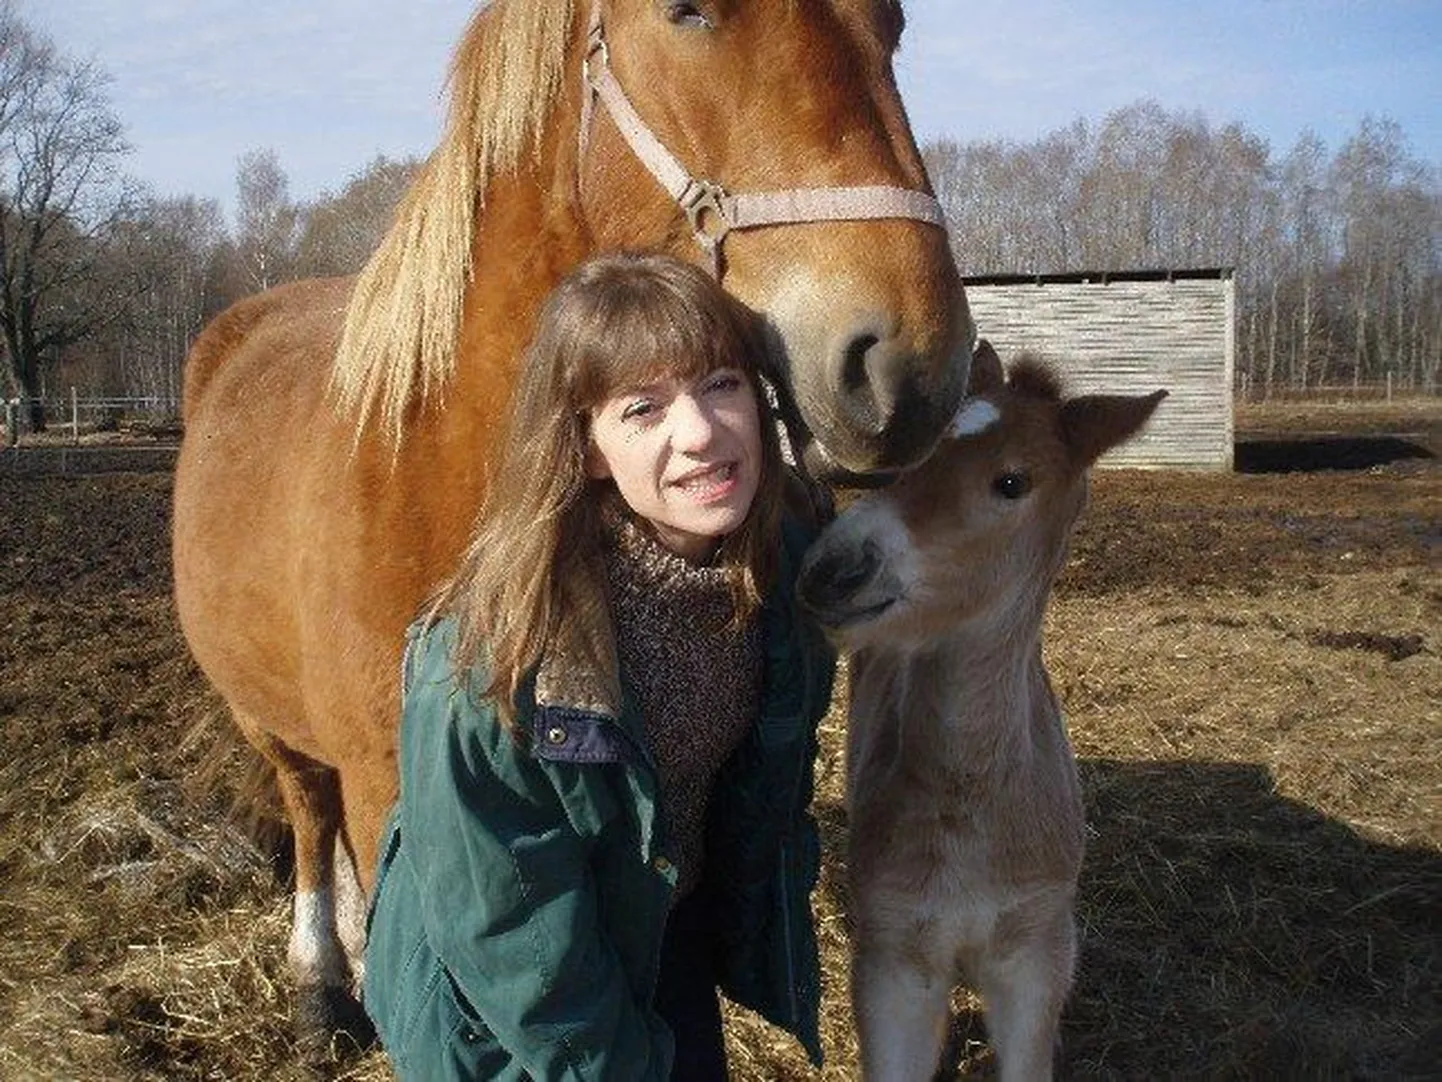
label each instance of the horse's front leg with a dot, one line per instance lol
(326, 1002)
(901, 1010)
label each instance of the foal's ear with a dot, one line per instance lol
(1093, 424)
(986, 373)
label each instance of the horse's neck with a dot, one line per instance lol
(528, 235)
(526, 239)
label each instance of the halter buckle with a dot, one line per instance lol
(599, 50)
(703, 203)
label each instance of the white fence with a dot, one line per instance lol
(78, 414)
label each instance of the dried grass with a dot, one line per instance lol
(1251, 672)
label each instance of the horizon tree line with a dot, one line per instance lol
(1338, 255)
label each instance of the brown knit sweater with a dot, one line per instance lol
(696, 676)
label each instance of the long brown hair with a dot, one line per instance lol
(617, 321)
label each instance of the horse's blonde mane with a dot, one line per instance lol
(403, 319)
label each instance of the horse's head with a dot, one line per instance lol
(871, 331)
(978, 532)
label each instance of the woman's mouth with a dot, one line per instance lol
(710, 484)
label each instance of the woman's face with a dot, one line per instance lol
(685, 455)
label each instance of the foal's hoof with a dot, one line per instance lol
(330, 1024)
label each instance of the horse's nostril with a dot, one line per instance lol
(871, 376)
(855, 376)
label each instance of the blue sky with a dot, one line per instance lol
(329, 84)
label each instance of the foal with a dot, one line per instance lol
(964, 806)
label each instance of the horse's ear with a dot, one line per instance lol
(1094, 424)
(986, 373)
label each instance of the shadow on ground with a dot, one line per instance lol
(1236, 934)
(1324, 453)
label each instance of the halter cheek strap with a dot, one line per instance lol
(711, 211)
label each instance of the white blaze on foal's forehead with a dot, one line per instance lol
(976, 415)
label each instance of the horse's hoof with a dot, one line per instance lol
(330, 1024)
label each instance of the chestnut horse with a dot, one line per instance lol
(962, 794)
(338, 432)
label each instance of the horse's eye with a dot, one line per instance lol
(688, 15)
(1012, 486)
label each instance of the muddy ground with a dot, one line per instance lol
(1250, 665)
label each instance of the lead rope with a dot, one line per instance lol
(713, 213)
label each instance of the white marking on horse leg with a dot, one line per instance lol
(901, 1017)
(350, 910)
(315, 953)
(976, 415)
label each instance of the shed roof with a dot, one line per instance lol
(1102, 277)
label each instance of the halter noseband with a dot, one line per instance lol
(710, 210)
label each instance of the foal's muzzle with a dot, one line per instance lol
(836, 584)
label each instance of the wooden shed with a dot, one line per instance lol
(1129, 332)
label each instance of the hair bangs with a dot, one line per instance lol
(653, 332)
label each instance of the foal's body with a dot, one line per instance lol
(966, 827)
(963, 801)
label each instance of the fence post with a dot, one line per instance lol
(74, 418)
(12, 421)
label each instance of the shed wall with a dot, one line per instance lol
(1131, 337)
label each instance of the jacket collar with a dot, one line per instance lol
(579, 670)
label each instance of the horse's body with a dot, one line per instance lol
(338, 432)
(965, 812)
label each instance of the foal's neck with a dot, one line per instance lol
(981, 686)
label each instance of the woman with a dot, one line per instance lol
(609, 718)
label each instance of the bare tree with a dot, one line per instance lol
(61, 194)
(1309, 227)
(266, 220)
(339, 232)
(1338, 263)
(163, 259)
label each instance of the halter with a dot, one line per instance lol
(710, 210)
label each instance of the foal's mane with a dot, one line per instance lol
(1031, 375)
(403, 318)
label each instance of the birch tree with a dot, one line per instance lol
(61, 195)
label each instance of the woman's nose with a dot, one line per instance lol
(693, 425)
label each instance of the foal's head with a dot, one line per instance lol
(975, 534)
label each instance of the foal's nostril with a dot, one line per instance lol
(857, 573)
(836, 576)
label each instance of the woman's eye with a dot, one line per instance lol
(638, 410)
(724, 382)
(1012, 486)
(688, 15)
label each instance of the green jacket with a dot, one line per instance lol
(523, 886)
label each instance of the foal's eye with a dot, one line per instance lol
(688, 15)
(1012, 486)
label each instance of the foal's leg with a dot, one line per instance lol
(901, 1013)
(325, 999)
(1024, 991)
